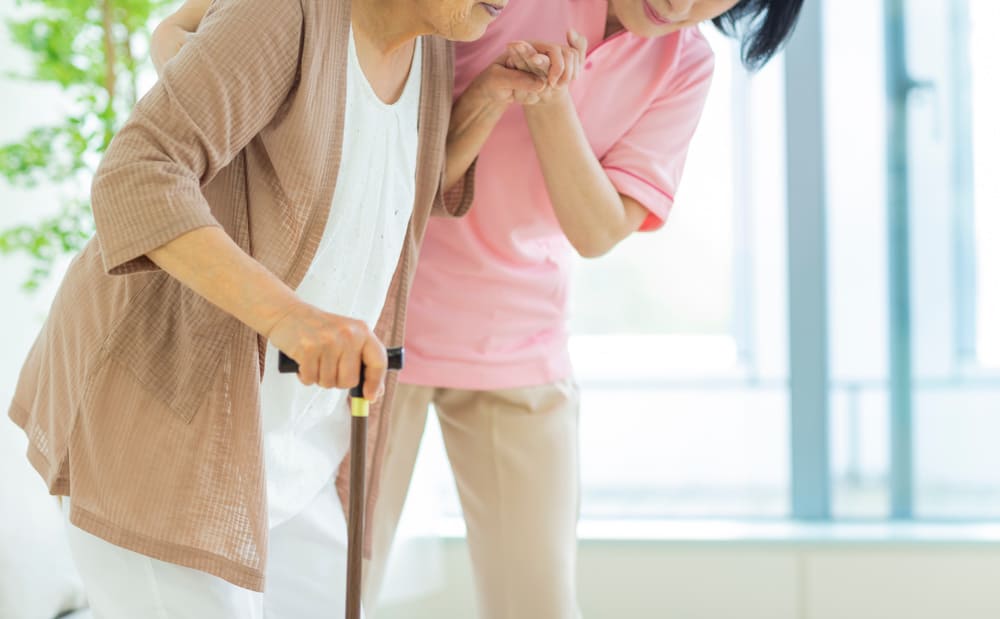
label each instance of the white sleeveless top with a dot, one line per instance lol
(307, 429)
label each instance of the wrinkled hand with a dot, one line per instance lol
(167, 40)
(532, 73)
(502, 83)
(330, 349)
(557, 65)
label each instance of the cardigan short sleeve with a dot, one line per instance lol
(226, 84)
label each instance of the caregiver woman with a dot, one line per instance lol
(486, 335)
(266, 194)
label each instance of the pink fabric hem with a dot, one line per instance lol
(452, 374)
(657, 201)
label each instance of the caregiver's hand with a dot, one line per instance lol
(502, 83)
(330, 348)
(558, 65)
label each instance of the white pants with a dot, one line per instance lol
(305, 578)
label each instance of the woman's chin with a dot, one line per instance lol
(642, 27)
(469, 33)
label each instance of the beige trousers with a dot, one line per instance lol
(515, 456)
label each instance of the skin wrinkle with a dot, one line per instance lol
(457, 20)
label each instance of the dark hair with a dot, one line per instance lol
(762, 26)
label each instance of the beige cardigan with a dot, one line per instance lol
(141, 399)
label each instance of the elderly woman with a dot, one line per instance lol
(270, 193)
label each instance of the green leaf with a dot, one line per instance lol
(65, 42)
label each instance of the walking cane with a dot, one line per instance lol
(356, 509)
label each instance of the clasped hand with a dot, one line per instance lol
(535, 72)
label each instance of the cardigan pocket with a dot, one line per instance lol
(172, 341)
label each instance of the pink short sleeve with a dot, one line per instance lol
(647, 162)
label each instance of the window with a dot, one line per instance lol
(855, 135)
(985, 91)
(684, 408)
(956, 394)
(940, 442)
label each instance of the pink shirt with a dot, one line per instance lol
(488, 307)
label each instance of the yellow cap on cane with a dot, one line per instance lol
(359, 407)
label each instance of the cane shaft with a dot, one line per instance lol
(356, 510)
(356, 506)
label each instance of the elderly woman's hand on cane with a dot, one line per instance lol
(330, 349)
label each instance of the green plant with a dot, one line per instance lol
(94, 52)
